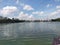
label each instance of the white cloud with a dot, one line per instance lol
(48, 5)
(25, 6)
(17, 1)
(58, 7)
(31, 17)
(24, 16)
(38, 13)
(55, 12)
(8, 10)
(28, 7)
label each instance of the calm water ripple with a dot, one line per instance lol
(32, 33)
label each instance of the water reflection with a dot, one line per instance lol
(8, 31)
(38, 29)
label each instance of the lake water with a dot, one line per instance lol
(29, 33)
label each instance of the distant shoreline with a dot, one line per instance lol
(15, 20)
(27, 21)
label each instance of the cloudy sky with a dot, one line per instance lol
(30, 9)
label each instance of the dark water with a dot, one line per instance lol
(33, 33)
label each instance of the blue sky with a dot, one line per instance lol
(30, 9)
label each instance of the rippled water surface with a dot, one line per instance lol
(33, 33)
